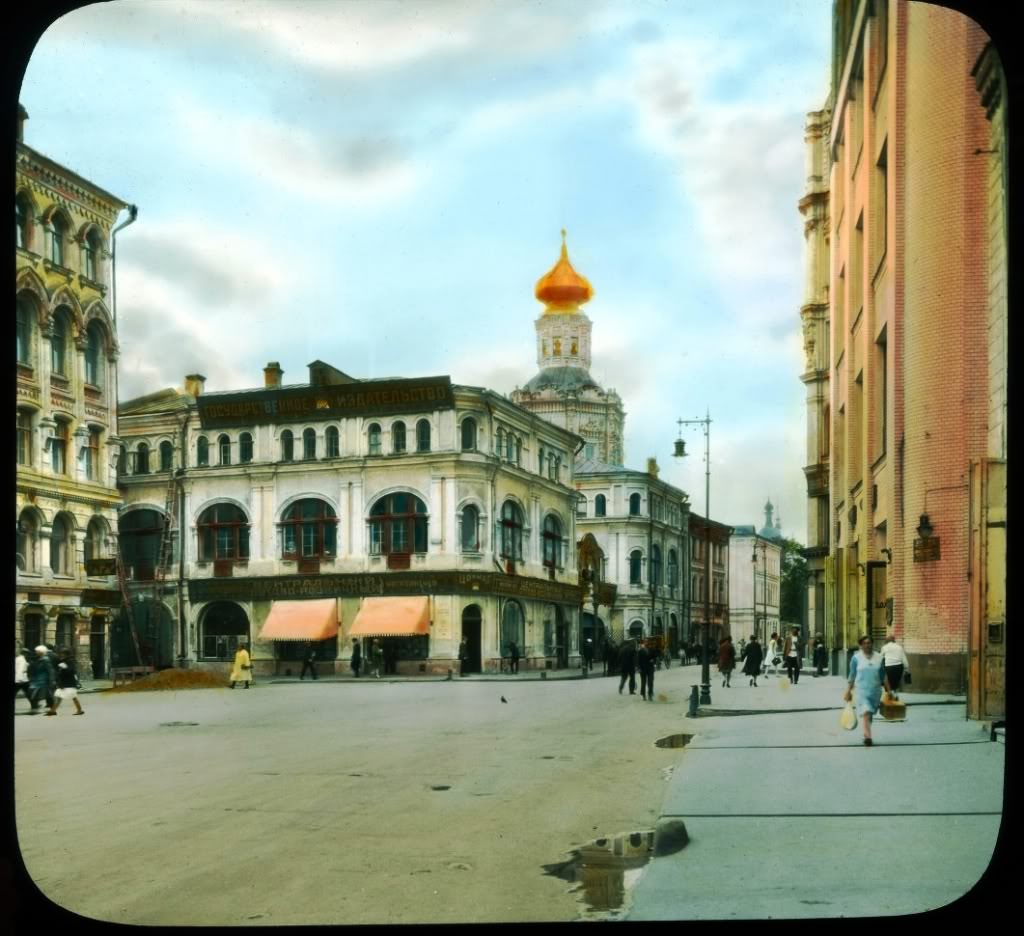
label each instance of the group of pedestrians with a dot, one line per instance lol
(642, 659)
(47, 678)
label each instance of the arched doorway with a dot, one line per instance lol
(222, 626)
(471, 618)
(636, 630)
(154, 636)
(561, 639)
(512, 628)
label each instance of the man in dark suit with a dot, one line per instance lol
(645, 663)
(627, 666)
(309, 662)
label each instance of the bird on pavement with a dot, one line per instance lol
(503, 699)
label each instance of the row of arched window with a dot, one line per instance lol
(601, 506)
(654, 573)
(305, 447)
(61, 559)
(62, 345)
(57, 239)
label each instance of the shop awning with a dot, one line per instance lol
(302, 620)
(392, 617)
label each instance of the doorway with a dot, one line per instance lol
(877, 602)
(471, 631)
(98, 647)
(561, 639)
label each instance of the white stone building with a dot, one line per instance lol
(755, 580)
(450, 507)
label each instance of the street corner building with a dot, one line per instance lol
(905, 338)
(67, 497)
(410, 511)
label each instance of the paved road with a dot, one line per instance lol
(316, 802)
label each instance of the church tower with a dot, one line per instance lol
(563, 392)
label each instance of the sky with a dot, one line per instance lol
(380, 184)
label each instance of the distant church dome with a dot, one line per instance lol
(563, 379)
(768, 531)
(562, 289)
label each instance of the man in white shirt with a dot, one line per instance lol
(895, 664)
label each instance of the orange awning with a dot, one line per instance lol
(392, 617)
(301, 620)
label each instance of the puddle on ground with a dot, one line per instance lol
(440, 786)
(674, 741)
(178, 724)
(602, 872)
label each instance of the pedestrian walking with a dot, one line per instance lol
(42, 679)
(645, 663)
(610, 655)
(726, 660)
(21, 683)
(865, 684)
(820, 656)
(376, 658)
(894, 660)
(773, 657)
(309, 663)
(67, 683)
(241, 669)
(513, 657)
(627, 666)
(357, 657)
(588, 654)
(752, 656)
(791, 655)
(463, 657)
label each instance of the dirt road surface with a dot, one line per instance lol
(337, 802)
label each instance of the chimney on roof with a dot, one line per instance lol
(652, 467)
(272, 374)
(194, 384)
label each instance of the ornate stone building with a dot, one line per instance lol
(411, 511)
(563, 392)
(66, 497)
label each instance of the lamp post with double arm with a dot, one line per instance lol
(680, 452)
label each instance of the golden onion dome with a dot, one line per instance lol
(562, 289)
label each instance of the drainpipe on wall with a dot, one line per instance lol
(182, 622)
(133, 213)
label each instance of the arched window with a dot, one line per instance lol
(223, 533)
(309, 530)
(58, 237)
(28, 542)
(94, 354)
(635, 566)
(287, 446)
(142, 459)
(166, 456)
(552, 542)
(655, 574)
(122, 461)
(95, 539)
(541, 460)
(202, 452)
(600, 505)
(634, 505)
(468, 434)
(139, 535)
(65, 632)
(470, 527)
(398, 438)
(22, 221)
(25, 329)
(500, 445)
(398, 525)
(59, 337)
(308, 444)
(510, 447)
(373, 439)
(224, 449)
(25, 453)
(511, 531)
(91, 247)
(60, 546)
(673, 569)
(332, 442)
(512, 627)
(245, 448)
(59, 447)
(423, 436)
(223, 625)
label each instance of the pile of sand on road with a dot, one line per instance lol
(175, 679)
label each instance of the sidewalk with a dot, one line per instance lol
(790, 816)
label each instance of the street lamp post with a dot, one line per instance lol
(680, 452)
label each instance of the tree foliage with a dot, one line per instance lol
(793, 588)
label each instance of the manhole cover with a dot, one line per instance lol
(178, 724)
(674, 741)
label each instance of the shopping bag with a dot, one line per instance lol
(848, 718)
